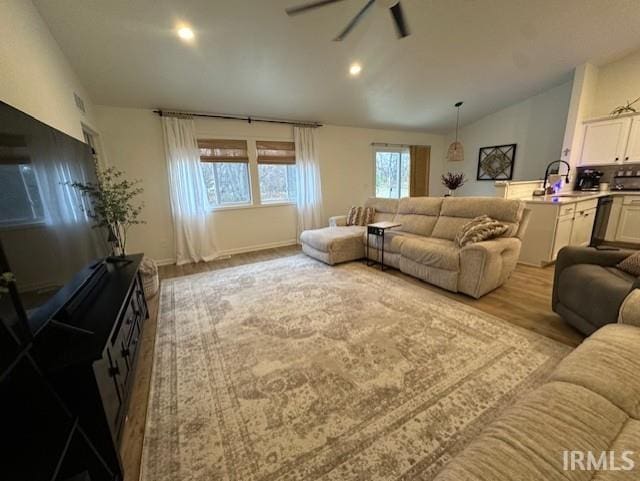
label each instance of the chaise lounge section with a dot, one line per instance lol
(423, 246)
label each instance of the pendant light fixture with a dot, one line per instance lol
(456, 150)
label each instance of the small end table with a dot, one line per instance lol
(378, 229)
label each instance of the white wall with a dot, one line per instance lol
(35, 76)
(536, 125)
(132, 141)
(618, 82)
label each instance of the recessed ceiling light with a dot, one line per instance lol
(355, 69)
(185, 33)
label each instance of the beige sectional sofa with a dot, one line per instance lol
(591, 403)
(424, 245)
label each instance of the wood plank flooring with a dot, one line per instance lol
(525, 300)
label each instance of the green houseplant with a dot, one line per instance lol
(113, 205)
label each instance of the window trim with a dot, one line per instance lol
(401, 150)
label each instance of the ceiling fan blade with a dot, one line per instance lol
(401, 25)
(309, 6)
(359, 16)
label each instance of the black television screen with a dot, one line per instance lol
(45, 232)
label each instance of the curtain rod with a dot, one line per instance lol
(384, 144)
(248, 119)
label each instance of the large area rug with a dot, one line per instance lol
(294, 370)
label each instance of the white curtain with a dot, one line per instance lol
(309, 198)
(189, 202)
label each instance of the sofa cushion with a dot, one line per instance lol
(592, 292)
(631, 265)
(480, 229)
(440, 253)
(331, 238)
(456, 212)
(528, 441)
(385, 208)
(607, 363)
(393, 240)
(418, 215)
(360, 215)
(504, 210)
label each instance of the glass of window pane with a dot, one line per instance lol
(405, 168)
(277, 182)
(227, 183)
(388, 174)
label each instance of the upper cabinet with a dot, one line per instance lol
(632, 152)
(605, 141)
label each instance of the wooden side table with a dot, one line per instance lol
(378, 230)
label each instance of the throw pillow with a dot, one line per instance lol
(360, 215)
(631, 264)
(480, 229)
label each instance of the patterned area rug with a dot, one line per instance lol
(294, 370)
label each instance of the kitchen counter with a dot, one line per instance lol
(576, 196)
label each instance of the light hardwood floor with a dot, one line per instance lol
(525, 300)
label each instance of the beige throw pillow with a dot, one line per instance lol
(480, 229)
(360, 215)
(631, 264)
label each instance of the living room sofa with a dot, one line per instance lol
(588, 289)
(423, 246)
(590, 403)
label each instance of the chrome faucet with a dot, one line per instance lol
(546, 173)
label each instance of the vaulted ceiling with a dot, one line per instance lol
(249, 57)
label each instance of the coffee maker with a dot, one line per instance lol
(589, 179)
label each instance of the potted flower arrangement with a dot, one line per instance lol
(453, 181)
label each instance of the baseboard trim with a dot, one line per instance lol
(240, 250)
(258, 247)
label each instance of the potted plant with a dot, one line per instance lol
(113, 205)
(453, 180)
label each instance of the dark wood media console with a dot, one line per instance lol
(88, 355)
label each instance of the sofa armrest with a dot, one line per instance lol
(630, 309)
(338, 221)
(570, 256)
(486, 265)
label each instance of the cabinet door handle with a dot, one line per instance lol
(617, 159)
(626, 158)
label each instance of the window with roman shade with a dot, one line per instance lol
(276, 170)
(225, 168)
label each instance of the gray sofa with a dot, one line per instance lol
(424, 245)
(588, 290)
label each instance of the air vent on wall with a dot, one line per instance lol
(79, 102)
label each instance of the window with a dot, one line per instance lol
(225, 167)
(19, 193)
(392, 173)
(276, 171)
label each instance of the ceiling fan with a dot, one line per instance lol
(396, 12)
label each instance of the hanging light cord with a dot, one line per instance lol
(458, 105)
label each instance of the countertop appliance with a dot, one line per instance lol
(626, 182)
(589, 180)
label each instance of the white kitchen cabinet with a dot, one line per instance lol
(582, 227)
(564, 229)
(632, 152)
(628, 229)
(553, 226)
(605, 141)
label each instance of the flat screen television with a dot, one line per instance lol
(47, 238)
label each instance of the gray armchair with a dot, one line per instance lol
(588, 290)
